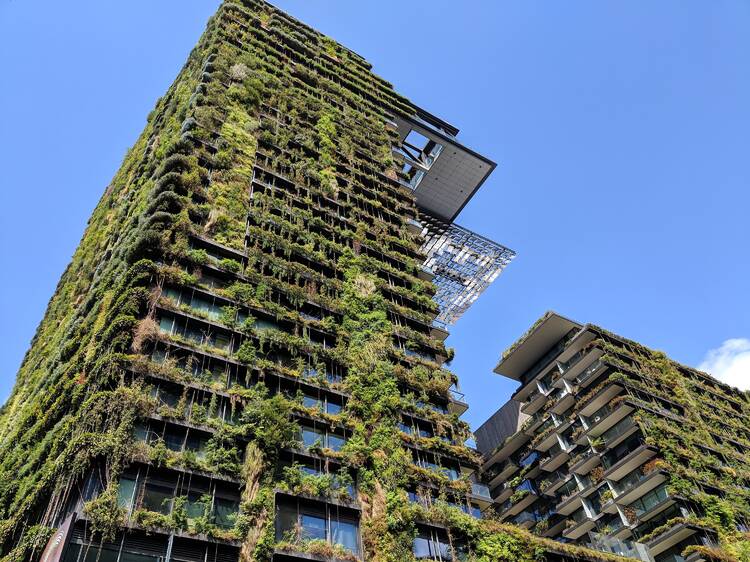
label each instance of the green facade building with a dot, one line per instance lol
(610, 444)
(244, 359)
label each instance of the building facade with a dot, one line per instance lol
(609, 444)
(242, 361)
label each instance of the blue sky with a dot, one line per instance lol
(620, 130)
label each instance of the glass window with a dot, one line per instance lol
(158, 356)
(166, 323)
(172, 293)
(99, 554)
(311, 437)
(194, 507)
(221, 341)
(313, 527)
(422, 548)
(311, 402)
(333, 408)
(158, 498)
(174, 438)
(261, 325)
(168, 398)
(287, 521)
(345, 534)
(196, 443)
(450, 472)
(140, 432)
(126, 492)
(336, 442)
(225, 512)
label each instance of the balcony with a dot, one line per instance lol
(555, 457)
(579, 363)
(532, 425)
(637, 484)
(550, 484)
(546, 435)
(570, 498)
(503, 472)
(524, 495)
(617, 466)
(589, 374)
(480, 494)
(534, 402)
(456, 404)
(583, 462)
(564, 399)
(590, 404)
(527, 519)
(606, 417)
(578, 524)
(677, 534)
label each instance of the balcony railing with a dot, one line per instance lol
(589, 372)
(480, 490)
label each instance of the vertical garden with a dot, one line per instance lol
(241, 347)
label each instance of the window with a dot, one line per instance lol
(432, 545)
(126, 493)
(345, 534)
(158, 498)
(650, 500)
(196, 443)
(336, 442)
(313, 527)
(225, 512)
(174, 438)
(312, 437)
(194, 506)
(303, 521)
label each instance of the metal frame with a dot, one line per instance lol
(464, 264)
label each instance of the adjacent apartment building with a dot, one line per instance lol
(244, 359)
(610, 444)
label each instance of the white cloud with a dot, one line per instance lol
(730, 363)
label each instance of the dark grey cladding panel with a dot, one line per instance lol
(498, 427)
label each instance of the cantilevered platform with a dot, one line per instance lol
(445, 175)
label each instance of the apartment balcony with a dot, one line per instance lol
(503, 491)
(637, 484)
(524, 495)
(527, 519)
(600, 399)
(549, 485)
(532, 425)
(589, 374)
(534, 402)
(546, 435)
(606, 417)
(563, 400)
(583, 462)
(677, 534)
(457, 403)
(480, 494)
(571, 498)
(578, 525)
(439, 334)
(555, 457)
(503, 461)
(578, 364)
(507, 469)
(619, 467)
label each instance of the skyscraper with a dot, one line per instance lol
(611, 444)
(244, 359)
